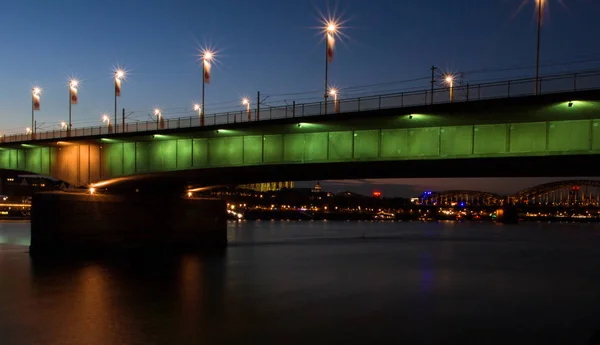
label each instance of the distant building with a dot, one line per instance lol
(269, 186)
(317, 188)
(27, 185)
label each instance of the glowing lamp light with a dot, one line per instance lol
(28, 130)
(119, 74)
(36, 91)
(208, 55)
(92, 190)
(157, 112)
(333, 92)
(449, 79)
(189, 194)
(245, 101)
(197, 107)
(63, 125)
(73, 83)
(105, 118)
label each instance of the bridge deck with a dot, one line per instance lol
(502, 90)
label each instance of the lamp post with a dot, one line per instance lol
(246, 102)
(63, 125)
(198, 108)
(36, 94)
(331, 29)
(119, 77)
(73, 84)
(450, 81)
(207, 58)
(540, 4)
(106, 119)
(158, 115)
(334, 93)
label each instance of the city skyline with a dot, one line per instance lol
(279, 54)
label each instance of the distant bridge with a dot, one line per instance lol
(558, 192)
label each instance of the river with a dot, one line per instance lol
(318, 282)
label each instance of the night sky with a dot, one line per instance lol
(273, 46)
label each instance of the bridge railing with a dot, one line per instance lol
(552, 84)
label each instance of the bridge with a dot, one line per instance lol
(497, 129)
(138, 175)
(558, 193)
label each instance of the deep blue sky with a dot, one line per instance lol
(269, 45)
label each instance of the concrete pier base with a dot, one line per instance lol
(65, 224)
(507, 215)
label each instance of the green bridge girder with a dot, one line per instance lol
(543, 130)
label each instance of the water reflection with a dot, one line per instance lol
(316, 282)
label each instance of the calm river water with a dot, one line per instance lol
(318, 283)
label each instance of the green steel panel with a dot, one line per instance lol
(273, 148)
(129, 158)
(21, 160)
(142, 156)
(253, 149)
(34, 160)
(13, 159)
(456, 141)
(293, 145)
(113, 159)
(315, 147)
(394, 143)
(4, 159)
(200, 152)
(569, 135)
(184, 154)
(45, 168)
(424, 141)
(163, 155)
(596, 135)
(340, 146)
(226, 151)
(490, 139)
(366, 144)
(528, 137)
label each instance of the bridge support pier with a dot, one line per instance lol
(507, 214)
(75, 224)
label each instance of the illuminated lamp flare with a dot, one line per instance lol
(206, 62)
(119, 75)
(73, 84)
(336, 104)
(106, 119)
(159, 118)
(450, 82)
(246, 102)
(198, 108)
(35, 98)
(330, 45)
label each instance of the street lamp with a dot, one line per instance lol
(540, 5)
(63, 125)
(119, 77)
(331, 30)
(36, 93)
(450, 81)
(73, 90)
(207, 57)
(246, 102)
(334, 93)
(28, 130)
(106, 119)
(159, 120)
(198, 108)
